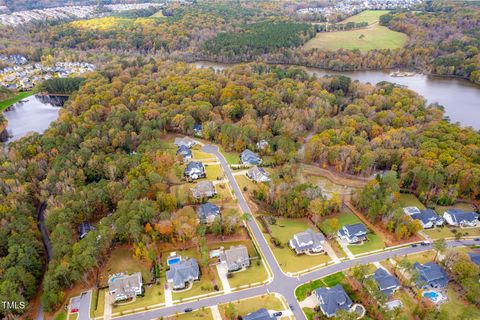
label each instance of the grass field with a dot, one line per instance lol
(458, 308)
(213, 171)
(305, 290)
(7, 103)
(370, 16)
(231, 157)
(158, 14)
(246, 306)
(370, 38)
(200, 155)
(284, 230)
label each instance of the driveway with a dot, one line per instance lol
(82, 303)
(310, 302)
(222, 273)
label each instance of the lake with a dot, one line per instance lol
(34, 114)
(460, 98)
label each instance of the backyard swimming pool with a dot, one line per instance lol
(173, 260)
(433, 296)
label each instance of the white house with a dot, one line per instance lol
(460, 218)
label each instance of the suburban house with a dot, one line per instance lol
(124, 287)
(250, 157)
(194, 170)
(475, 257)
(430, 275)
(185, 152)
(197, 129)
(85, 228)
(307, 241)
(332, 299)
(182, 273)
(262, 144)
(460, 218)
(204, 189)
(258, 174)
(353, 233)
(207, 212)
(185, 141)
(428, 218)
(235, 258)
(260, 314)
(387, 283)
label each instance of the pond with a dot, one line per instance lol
(33, 114)
(460, 98)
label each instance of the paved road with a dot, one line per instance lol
(280, 283)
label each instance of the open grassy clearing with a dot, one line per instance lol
(306, 289)
(284, 230)
(246, 306)
(370, 16)
(458, 308)
(200, 155)
(244, 182)
(213, 171)
(158, 14)
(20, 96)
(231, 157)
(410, 200)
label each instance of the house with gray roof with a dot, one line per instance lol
(460, 218)
(207, 212)
(307, 241)
(353, 233)
(475, 257)
(235, 258)
(332, 299)
(203, 189)
(185, 141)
(428, 218)
(258, 174)
(194, 170)
(430, 275)
(182, 273)
(250, 157)
(260, 314)
(184, 152)
(387, 283)
(84, 228)
(124, 287)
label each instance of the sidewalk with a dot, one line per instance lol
(216, 313)
(344, 246)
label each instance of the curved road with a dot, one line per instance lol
(281, 283)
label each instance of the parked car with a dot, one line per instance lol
(277, 314)
(291, 307)
(414, 245)
(188, 310)
(425, 243)
(476, 239)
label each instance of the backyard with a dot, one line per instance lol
(457, 308)
(284, 229)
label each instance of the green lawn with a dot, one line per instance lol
(439, 233)
(284, 230)
(100, 305)
(205, 314)
(305, 290)
(256, 273)
(153, 295)
(309, 313)
(73, 316)
(61, 316)
(214, 171)
(246, 306)
(231, 157)
(374, 243)
(421, 257)
(370, 16)
(374, 37)
(457, 307)
(158, 14)
(410, 200)
(347, 217)
(409, 303)
(200, 155)
(20, 96)
(243, 181)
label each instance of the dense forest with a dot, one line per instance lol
(104, 160)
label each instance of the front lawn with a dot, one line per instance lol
(213, 171)
(283, 230)
(421, 257)
(244, 182)
(246, 306)
(305, 290)
(439, 233)
(153, 295)
(200, 155)
(457, 308)
(204, 313)
(373, 243)
(255, 273)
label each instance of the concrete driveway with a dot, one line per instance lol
(82, 303)
(222, 273)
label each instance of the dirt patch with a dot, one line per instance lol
(336, 177)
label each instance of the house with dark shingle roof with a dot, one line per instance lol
(203, 189)
(194, 170)
(250, 157)
(460, 218)
(185, 152)
(353, 233)
(260, 314)
(307, 241)
(207, 212)
(258, 174)
(430, 275)
(332, 299)
(85, 228)
(387, 283)
(235, 258)
(428, 218)
(182, 273)
(475, 257)
(123, 286)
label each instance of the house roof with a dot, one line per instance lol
(431, 273)
(475, 257)
(355, 229)
(333, 299)
(207, 209)
(386, 282)
(125, 285)
(307, 239)
(184, 141)
(260, 314)
(460, 215)
(249, 156)
(411, 210)
(256, 173)
(236, 255)
(84, 228)
(204, 186)
(426, 216)
(182, 272)
(194, 165)
(184, 150)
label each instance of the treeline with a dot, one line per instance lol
(62, 85)
(341, 26)
(260, 38)
(104, 161)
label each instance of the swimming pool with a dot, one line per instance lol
(432, 295)
(173, 260)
